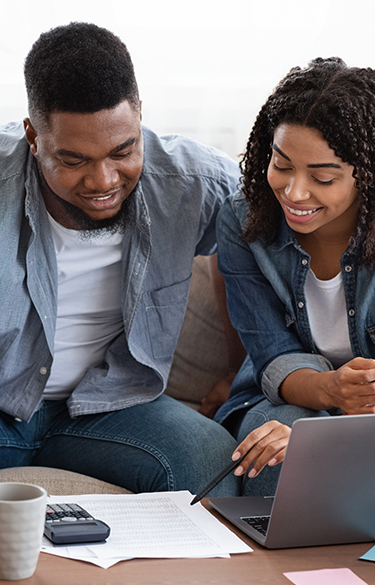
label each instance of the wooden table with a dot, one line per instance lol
(261, 567)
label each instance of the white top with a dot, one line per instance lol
(328, 318)
(89, 312)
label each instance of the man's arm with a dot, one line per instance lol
(236, 352)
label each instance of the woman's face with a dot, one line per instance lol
(314, 187)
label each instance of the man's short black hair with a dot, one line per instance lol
(79, 67)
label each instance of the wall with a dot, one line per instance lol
(205, 66)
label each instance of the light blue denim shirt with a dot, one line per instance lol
(267, 306)
(175, 205)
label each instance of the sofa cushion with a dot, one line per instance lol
(201, 356)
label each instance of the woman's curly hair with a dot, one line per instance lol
(337, 101)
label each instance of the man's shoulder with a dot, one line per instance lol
(175, 155)
(13, 150)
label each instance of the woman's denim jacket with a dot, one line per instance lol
(267, 305)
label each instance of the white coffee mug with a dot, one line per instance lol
(22, 517)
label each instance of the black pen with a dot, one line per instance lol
(217, 479)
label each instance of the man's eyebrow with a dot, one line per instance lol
(312, 166)
(125, 144)
(72, 153)
(75, 154)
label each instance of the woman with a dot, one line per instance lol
(297, 250)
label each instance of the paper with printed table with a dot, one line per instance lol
(150, 525)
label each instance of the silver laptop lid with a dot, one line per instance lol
(326, 489)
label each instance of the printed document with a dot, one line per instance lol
(151, 525)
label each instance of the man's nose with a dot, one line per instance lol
(101, 177)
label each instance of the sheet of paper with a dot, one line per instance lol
(325, 577)
(157, 525)
(370, 555)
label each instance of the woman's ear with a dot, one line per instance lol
(31, 136)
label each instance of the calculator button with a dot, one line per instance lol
(68, 519)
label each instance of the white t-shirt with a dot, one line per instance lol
(328, 318)
(89, 312)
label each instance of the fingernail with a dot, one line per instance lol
(252, 472)
(238, 470)
(272, 462)
(236, 455)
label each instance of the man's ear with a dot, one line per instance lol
(31, 136)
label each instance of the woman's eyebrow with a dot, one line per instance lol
(312, 166)
(325, 166)
(275, 147)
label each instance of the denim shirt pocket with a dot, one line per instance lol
(165, 311)
(371, 332)
(289, 319)
(7, 339)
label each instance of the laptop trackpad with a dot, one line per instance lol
(243, 506)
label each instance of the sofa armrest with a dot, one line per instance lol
(58, 482)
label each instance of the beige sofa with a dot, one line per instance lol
(200, 360)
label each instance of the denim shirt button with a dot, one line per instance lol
(304, 262)
(301, 305)
(351, 312)
(246, 403)
(348, 268)
(43, 370)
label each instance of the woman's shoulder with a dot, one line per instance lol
(235, 204)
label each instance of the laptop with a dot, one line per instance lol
(326, 489)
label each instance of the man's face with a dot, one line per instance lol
(91, 161)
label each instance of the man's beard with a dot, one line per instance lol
(87, 225)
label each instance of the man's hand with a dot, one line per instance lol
(217, 396)
(267, 446)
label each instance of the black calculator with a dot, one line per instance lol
(71, 524)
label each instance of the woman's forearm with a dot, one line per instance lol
(351, 387)
(307, 388)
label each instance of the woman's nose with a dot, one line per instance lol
(297, 190)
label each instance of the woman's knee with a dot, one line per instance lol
(264, 411)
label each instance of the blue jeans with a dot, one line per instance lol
(158, 446)
(266, 482)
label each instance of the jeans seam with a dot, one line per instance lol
(18, 445)
(116, 439)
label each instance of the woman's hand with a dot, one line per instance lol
(352, 387)
(267, 446)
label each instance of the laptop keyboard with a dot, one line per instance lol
(260, 523)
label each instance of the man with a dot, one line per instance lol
(100, 221)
